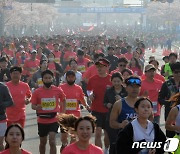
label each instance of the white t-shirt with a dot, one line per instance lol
(141, 133)
(78, 78)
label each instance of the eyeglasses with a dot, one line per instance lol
(134, 81)
(176, 72)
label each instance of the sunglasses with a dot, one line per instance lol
(176, 72)
(134, 81)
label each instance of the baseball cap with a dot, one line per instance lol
(102, 61)
(47, 72)
(33, 51)
(15, 68)
(149, 67)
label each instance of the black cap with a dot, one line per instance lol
(80, 52)
(68, 73)
(15, 68)
(47, 72)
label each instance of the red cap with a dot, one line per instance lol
(102, 61)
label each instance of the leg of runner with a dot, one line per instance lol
(98, 134)
(1, 143)
(42, 145)
(3, 128)
(52, 142)
(106, 140)
(64, 140)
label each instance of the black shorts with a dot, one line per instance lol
(100, 119)
(44, 129)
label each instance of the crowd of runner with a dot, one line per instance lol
(61, 75)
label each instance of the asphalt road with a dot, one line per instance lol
(31, 142)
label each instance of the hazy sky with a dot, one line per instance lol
(132, 1)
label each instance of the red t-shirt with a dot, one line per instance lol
(18, 55)
(152, 89)
(19, 93)
(136, 71)
(49, 100)
(74, 95)
(69, 55)
(34, 65)
(82, 65)
(156, 76)
(128, 56)
(57, 56)
(99, 85)
(7, 151)
(73, 149)
(50, 46)
(90, 72)
(10, 53)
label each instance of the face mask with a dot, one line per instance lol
(48, 84)
(70, 82)
(51, 59)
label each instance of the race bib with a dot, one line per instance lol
(71, 104)
(39, 82)
(34, 69)
(48, 103)
(155, 107)
(57, 60)
(81, 68)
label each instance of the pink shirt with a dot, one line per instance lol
(73, 149)
(152, 89)
(50, 102)
(74, 95)
(19, 93)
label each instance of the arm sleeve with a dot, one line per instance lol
(6, 98)
(163, 94)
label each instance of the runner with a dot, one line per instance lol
(36, 80)
(150, 88)
(4, 71)
(21, 95)
(82, 62)
(74, 97)
(84, 127)
(168, 89)
(5, 102)
(96, 89)
(123, 111)
(174, 116)
(31, 65)
(46, 101)
(137, 130)
(73, 66)
(113, 94)
(112, 58)
(122, 64)
(14, 137)
(135, 66)
(167, 68)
